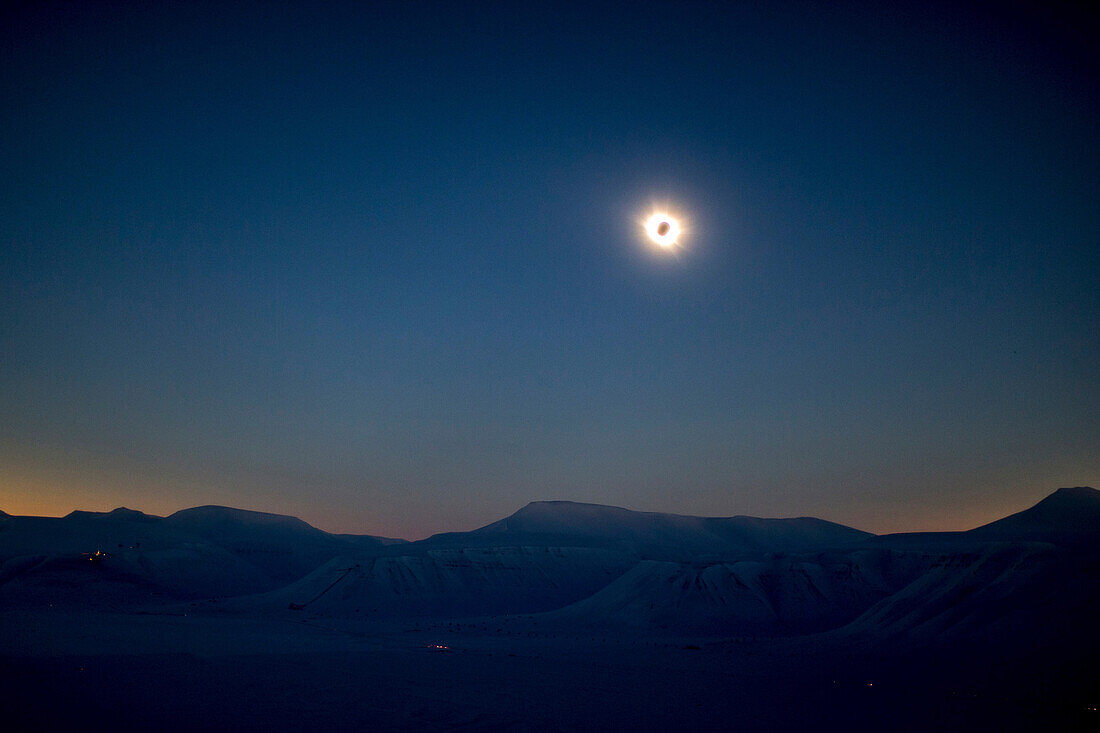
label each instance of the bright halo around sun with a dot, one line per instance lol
(663, 230)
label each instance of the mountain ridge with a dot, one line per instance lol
(1073, 511)
(588, 564)
(1078, 508)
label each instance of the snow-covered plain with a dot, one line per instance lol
(562, 616)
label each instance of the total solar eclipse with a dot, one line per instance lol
(662, 229)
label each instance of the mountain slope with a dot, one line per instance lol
(589, 565)
(772, 595)
(202, 552)
(284, 548)
(1070, 515)
(652, 535)
(450, 583)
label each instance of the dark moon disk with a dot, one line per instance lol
(663, 227)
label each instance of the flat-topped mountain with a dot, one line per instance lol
(212, 517)
(652, 534)
(204, 551)
(589, 564)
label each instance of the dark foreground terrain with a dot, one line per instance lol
(100, 671)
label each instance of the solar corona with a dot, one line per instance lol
(663, 230)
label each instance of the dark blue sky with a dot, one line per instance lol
(379, 265)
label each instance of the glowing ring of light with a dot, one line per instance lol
(662, 229)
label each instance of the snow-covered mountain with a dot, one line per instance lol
(582, 565)
(1026, 582)
(283, 548)
(452, 582)
(771, 595)
(126, 557)
(1068, 516)
(652, 535)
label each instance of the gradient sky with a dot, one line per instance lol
(379, 265)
